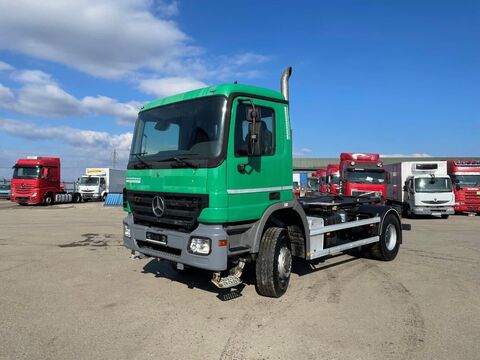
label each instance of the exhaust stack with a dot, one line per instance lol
(284, 82)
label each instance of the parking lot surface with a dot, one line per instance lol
(68, 290)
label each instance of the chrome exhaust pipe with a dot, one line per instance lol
(284, 81)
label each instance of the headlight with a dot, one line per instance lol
(126, 231)
(200, 246)
(378, 194)
(34, 194)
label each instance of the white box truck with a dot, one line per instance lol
(97, 183)
(420, 188)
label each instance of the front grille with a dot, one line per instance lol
(23, 188)
(181, 210)
(438, 202)
(471, 198)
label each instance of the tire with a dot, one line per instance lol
(391, 237)
(274, 263)
(444, 216)
(48, 199)
(104, 197)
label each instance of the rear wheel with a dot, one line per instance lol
(274, 263)
(390, 238)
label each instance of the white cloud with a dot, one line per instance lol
(415, 155)
(40, 95)
(5, 67)
(302, 152)
(169, 85)
(32, 77)
(6, 96)
(94, 140)
(125, 113)
(109, 38)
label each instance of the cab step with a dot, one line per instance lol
(230, 280)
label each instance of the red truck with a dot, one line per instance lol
(333, 178)
(362, 175)
(321, 176)
(36, 180)
(465, 175)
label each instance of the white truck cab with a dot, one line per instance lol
(97, 183)
(421, 188)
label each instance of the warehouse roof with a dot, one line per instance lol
(310, 164)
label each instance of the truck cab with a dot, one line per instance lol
(35, 180)
(465, 175)
(333, 179)
(362, 175)
(421, 188)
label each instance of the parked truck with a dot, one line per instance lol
(5, 189)
(420, 188)
(36, 180)
(214, 191)
(465, 175)
(321, 176)
(97, 183)
(333, 179)
(362, 175)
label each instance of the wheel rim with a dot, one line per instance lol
(48, 200)
(390, 237)
(284, 263)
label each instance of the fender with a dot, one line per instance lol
(382, 212)
(255, 233)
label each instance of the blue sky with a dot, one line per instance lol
(393, 77)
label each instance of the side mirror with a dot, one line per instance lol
(255, 131)
(405, 188)
(457, 187)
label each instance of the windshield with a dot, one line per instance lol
(333, 179)
(4, 187)
(466, 180)
(433, 185)
(313, 184)
(366, 177)
(26, 172)
(188, 130)
(89, 180)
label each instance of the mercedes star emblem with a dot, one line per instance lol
(158, 206)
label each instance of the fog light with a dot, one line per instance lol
(126, 231)
(200, 246)
(378, 194)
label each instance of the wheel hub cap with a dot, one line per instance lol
(284, 263)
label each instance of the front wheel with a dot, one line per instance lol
(104, 197)
(274, 263)
(390, 238)
(48, 200)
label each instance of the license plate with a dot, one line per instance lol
(157, 238)
(436, 213)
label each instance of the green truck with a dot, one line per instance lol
(209, 186)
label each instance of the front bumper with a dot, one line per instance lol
(91, 196)
(177, 242)
(467, 208)
(430, 210)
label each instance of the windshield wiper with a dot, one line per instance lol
(145, 164)
(182, 161)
